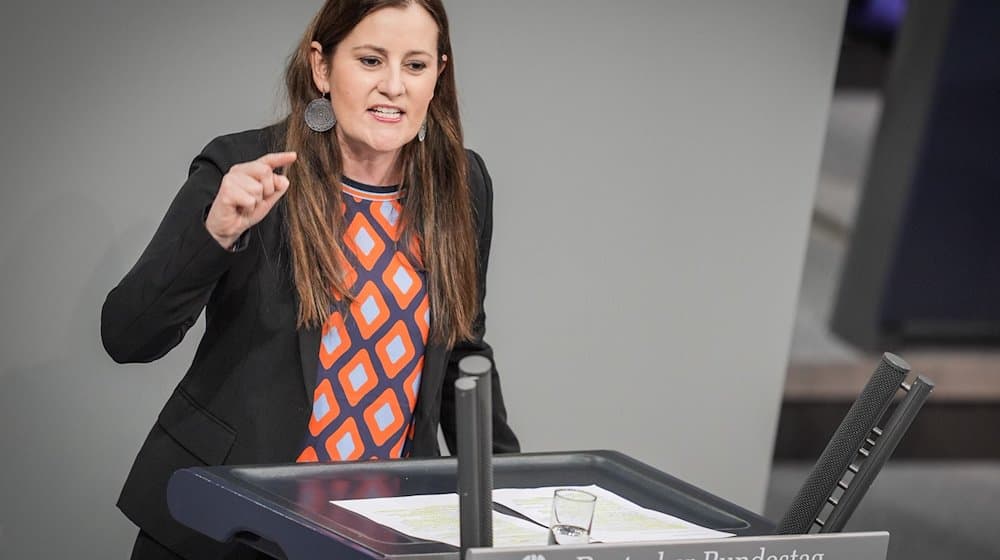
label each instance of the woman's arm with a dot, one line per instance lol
(159, 299)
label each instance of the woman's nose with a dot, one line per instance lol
(392, 84)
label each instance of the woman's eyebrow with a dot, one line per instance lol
(382, 51)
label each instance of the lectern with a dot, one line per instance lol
(285, 510)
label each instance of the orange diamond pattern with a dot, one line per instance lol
(358, 377)
(384, 417)
(370, 310)
(411, 385)
(371, 350)
(386, 213)
(334, 341)
(364, 241)
(395, 349)
(422, 317)
(402, 280)
(345, 443)
(325, 408)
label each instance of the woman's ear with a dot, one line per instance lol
(320, 67)
(444, 62)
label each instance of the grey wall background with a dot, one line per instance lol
(654, 163)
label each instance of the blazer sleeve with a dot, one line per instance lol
(150, 310)
(504, 440)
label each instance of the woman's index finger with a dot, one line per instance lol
(278, 159)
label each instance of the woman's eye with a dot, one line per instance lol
(369, 61)
(416, 66)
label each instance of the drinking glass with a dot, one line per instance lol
(572, 515)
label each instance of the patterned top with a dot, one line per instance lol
(371, 353)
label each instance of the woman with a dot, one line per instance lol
(340, 258)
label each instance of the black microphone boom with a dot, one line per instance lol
(474, 429)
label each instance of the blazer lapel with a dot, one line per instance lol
(429, 394)
(309, 357)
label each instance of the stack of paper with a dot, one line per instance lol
(435, 517)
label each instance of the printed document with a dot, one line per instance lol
(434, 517)
(616, 519)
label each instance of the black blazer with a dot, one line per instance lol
(247, 396)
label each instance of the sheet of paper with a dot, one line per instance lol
(434, 517)
(615, 518)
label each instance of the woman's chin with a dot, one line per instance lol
(381, 143)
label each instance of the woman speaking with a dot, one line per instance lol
(340, 258)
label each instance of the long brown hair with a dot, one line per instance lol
(437, 212)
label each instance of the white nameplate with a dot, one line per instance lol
(827, 546)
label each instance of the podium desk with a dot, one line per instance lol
(285, 510)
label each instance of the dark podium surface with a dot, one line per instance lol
(285, 510)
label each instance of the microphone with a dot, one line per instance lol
(474, 418)
(870, 405)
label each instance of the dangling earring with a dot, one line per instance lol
(319, 114)
(423, 131)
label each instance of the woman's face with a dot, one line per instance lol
(381, 79)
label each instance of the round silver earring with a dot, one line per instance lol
(422, 133)
(319, 114)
